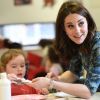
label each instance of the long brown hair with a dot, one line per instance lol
(64, 46)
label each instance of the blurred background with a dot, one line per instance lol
(26, 22)
(29, 21)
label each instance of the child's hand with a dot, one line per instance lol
(17, 80)
(12, 77)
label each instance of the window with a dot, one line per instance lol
(29, 34)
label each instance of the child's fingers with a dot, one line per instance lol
(12, 76)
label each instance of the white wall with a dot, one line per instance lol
(37, 13)
(94, 7)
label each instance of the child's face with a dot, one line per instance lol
(16, 66)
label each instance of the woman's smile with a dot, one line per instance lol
(76, 28)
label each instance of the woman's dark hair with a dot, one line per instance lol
(52, 55)
(64, 46)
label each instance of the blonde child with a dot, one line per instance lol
(13, 62)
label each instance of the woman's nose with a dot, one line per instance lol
(77, 30)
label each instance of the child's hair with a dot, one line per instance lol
(8, 55)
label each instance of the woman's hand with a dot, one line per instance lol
(41, 82)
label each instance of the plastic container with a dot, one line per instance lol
(5, 87)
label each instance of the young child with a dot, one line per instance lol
(13, 62)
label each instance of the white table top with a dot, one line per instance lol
(62, 96)
(53, 96)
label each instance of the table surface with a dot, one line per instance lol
(53, 96)
(70, 97)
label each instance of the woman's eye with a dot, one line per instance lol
(70, 26)
(81, 23)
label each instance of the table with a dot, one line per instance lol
(70, 97)
(53, 97)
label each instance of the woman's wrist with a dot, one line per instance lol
(52, 86)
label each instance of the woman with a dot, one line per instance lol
(77, 43)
